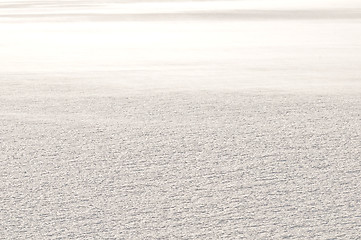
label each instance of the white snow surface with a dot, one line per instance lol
(89, 162)
(168, 129)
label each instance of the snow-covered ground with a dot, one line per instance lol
(165, 129)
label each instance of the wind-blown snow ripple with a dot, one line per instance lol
(185, 165)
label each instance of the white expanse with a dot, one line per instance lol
(180, 119)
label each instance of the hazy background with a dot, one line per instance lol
(198, 43)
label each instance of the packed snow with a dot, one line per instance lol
(206, 128)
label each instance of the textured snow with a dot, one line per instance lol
(200, 129)
(90, 162)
